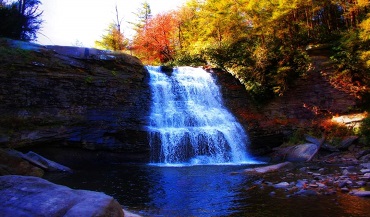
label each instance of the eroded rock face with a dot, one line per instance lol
(73, 96)
(31, 196)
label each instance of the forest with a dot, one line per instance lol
(261, 42)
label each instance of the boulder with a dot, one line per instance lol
(271, 168)
(346, 142)
(32, 196)
(298, 153)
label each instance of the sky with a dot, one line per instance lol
(82, 22)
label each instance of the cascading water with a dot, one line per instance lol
(188, 122)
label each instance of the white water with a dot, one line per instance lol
(189, 124)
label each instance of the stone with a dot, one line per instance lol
(362, 153)
(365, 171)
(301, 183)
(271, 168)
(14, 165)
(40, 161)
(282, 185)
(32, 196)
(48, 164)
(366, 165)
(365, 158)
(330, 148)
(362, 193)
(347, 142)
(304, 192)
(300, 153)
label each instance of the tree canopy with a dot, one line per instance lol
(261, 42)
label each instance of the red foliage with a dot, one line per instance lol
(156, 40)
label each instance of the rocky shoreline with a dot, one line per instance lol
(326, 175)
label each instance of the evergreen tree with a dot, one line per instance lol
(20, 20)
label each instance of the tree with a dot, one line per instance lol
(20, 20)
(155, 41)
(114, 38)
(143, 14)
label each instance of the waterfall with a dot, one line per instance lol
(189, 123)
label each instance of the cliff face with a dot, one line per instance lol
(314, 97)
(101, 101)
(78, 96)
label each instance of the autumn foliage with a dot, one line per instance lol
(261, 42)
(155, 42)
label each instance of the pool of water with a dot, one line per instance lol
(220, 190)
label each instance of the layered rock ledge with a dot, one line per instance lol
(79, 97)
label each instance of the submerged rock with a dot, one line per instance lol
(272, 168)
(31, 196)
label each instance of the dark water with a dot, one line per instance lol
(203, 191)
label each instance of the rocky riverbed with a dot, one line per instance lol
(325, 176)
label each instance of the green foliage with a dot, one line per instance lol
(113, 40)
(259, 41)
(296, 137)
(187, 59)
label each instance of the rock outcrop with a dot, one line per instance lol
(32, 196)
(72, 96)
(312, 98)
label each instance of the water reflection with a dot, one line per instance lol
(205, 191)
(192, 191)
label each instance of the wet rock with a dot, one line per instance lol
(362, 193)
(40, 161)
(365, 171)
(362, 153)
(303, 152)
(347, 142)
(330, 148)
(301, 183)
(282, 185)
(365, 165)
(365, 158)
(32, 196)
(272, 168)
(304, 192)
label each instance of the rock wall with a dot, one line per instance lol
(97, 100)
(315, 96)
(100, 100)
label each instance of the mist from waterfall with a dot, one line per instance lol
(189, 125)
